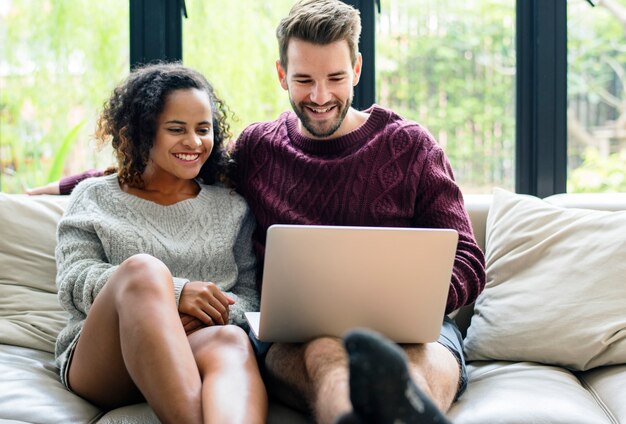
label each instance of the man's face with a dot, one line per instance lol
(320, 80)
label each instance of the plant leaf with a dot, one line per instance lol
(56, 169)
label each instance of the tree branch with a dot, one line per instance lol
(577, 131)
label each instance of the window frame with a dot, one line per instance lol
(541, 97)
(156, 31)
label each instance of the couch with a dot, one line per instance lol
(557, 357)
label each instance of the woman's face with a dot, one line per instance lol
(184, 135)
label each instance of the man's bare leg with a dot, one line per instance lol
(318, 370)
(436, 371)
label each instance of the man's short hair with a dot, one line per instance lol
(320, 22)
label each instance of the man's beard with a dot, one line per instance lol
(309, 124)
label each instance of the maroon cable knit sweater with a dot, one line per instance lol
(389, 172)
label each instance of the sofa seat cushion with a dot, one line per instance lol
(141, 413)
(608, 384)
(526, 392)
(31, 392)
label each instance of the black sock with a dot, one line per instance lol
(381, 389)
(348, 418)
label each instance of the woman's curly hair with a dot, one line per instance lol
(129, 120)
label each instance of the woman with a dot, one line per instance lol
(155, 264)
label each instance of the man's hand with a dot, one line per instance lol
(52, 188)
(204, 301)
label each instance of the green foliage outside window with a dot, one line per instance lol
(235, 47)
(59, 60)
(597, 96)
(450, 65)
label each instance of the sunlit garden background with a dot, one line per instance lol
(448, 64)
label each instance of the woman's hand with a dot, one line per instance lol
(190, 324)
(204, 301)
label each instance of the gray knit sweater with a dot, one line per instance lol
(207, 238)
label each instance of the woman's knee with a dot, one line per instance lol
(225, 341)
(143, 274)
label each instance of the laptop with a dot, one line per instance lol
(325, 280)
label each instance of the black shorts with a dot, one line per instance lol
(450, 337)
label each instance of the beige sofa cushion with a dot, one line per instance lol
(556, 285)
(526, 392)
(607, 385)
(31, 392)
(30, 315)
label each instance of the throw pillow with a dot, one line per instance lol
(556, 285)
(30, 315)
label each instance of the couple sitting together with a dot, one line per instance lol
(157, 259)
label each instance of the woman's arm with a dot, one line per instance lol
(245, 292)
(82, 267)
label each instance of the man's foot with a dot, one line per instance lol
(381, 389)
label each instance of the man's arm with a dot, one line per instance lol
(440, 205)
(52, 188)
(65, 185)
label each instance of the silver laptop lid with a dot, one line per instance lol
(324, 280)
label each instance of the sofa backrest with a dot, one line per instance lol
(477, 206)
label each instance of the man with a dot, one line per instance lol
(327, 163)
(330, 164)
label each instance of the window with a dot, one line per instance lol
(596, 115)
(454, 66)
(58, 63)
(450, 65)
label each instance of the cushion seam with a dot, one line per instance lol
(598, 399)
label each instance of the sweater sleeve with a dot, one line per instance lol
(245, 291)
(440, 205)
(236, 168)
(179, 285)
(67, 184)
(82, 267)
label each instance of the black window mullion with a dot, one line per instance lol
(541, 115)
(155, 31)
(365, 92)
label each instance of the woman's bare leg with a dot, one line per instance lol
(133, 346)
(232, 389)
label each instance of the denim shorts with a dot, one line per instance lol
(450, 337)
